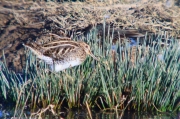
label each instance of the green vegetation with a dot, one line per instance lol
(147, 84)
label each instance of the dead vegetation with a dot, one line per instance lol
(28, 21)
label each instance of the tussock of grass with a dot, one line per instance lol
(148, 83)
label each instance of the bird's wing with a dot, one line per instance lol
(60, 49)
(35, 48)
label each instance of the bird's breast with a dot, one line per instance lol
(59, 66)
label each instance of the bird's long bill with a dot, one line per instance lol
(93, 56)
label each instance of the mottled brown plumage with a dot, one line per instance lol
(61, 54)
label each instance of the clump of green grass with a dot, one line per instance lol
(148, 84)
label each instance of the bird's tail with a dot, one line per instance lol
(35, 48)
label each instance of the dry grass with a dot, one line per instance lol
(77, 16)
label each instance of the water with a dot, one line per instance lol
(81, 114)
(7, 112)
(134, 42)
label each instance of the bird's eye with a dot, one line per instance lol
(86, 46)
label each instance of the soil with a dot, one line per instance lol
(28, 21)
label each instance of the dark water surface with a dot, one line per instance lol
(96, 115)
(132, 115)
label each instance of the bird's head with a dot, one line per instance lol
(87, 49)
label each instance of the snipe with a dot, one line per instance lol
(61, 54)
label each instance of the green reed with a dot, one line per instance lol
(148, 84)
